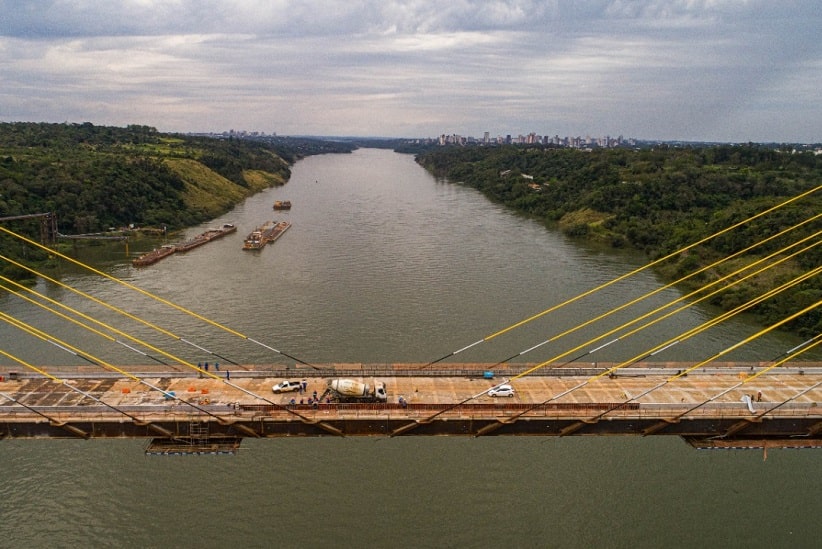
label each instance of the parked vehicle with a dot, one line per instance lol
(349, 390)
(286, 386)
(503, 390)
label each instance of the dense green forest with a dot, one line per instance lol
(98, 178)
(661, 199)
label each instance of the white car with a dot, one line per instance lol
(286, 386)
(504, 390)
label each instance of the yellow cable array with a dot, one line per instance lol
(625, 276)
(91, 298)
(713, 322)
(63, 382)
(31, 330)
(124, 283)
(691, 333)
(86, 317)
(131, 286)
(700, 329)
(671, 313)
(673, 284)
(582, 422)
(725, 351)
(694, 330)
(45, 337)
(652, 263)
(750, 338)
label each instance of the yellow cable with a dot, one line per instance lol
(651, 264)
(692, 332)
(679, 281)
(182, 362)
(667, 315)
(124, 283)
(91, 298)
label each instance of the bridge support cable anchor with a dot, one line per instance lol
(740, 426)
(242, 428)
(405, 428)
(491, 427)
(71, 429)
(431, 418)
(574, 427)
(154, 427)
(662, 424)
(815, 430)
(52, 421)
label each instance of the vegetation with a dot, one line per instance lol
(95, 178)
(660, 200)
(656, 200)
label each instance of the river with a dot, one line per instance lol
(384, 263)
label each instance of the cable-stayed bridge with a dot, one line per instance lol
(191, 407)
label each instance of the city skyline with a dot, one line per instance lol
(695, 70)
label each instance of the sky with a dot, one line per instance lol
(697, 70)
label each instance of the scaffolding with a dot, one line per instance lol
(48, 225)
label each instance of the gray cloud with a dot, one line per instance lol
(688, 69)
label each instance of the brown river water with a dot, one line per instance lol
(384, 263)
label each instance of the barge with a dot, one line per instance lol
(164, 251)
(269, 232)
(282, 204)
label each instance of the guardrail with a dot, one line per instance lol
(383, 371)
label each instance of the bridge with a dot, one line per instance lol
(186, 408)
(715, 405)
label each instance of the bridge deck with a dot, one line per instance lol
(448, 400)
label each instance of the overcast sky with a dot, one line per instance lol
(725, 70)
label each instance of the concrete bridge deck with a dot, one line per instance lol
(783, 407)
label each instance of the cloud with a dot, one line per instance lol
(670, 69)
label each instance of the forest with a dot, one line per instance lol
(659, 200)
(102, 178)
(97, 177)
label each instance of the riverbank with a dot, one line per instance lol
(659, 201)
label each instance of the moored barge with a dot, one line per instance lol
(269, 232)
(162, 252)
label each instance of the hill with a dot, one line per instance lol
(95, 178)
(660, 200)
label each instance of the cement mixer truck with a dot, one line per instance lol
(349, 390)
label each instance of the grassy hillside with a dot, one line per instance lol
(97, 177)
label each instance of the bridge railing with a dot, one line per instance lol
(171, 412)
